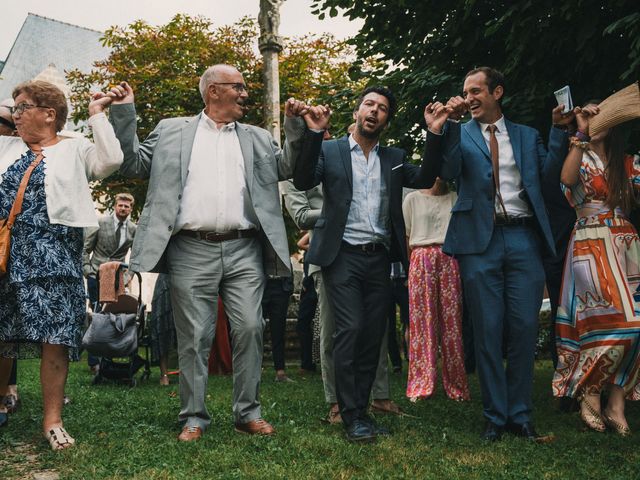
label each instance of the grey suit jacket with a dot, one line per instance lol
(164, 158)
(100, 244)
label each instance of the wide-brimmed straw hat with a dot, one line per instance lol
(622, 106)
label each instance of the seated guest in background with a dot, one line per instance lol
(212, 204)
(597, 325)
(435, 296)
(42, 299)
(358, 234)
(498, 229)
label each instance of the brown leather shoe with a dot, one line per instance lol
(190, 434)
(386, 406)
(256, 427)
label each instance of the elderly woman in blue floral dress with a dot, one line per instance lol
(42, 299)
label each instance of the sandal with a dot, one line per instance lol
(619, 428)
(164, 380)
(59, 439)
(592, 419)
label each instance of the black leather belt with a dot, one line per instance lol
(365, 247)
(215, 237)
(502, 221)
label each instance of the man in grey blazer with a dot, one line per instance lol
(212, 206)
(109, 242)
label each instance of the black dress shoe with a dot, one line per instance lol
(492, 432)
(377, 429)
(4, 419)
(360, 432)
(524, 430)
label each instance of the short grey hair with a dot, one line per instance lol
(208, 77)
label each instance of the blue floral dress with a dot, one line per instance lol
(42, 298)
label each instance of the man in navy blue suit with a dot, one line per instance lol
(498, 231)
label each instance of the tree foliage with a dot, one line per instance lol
(427, 46)
(164, 63)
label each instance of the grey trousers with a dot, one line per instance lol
(200, 271)
(380, 390)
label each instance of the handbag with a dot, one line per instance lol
(7, 223)
(111, 335)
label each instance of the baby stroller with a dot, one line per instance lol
(112, 367)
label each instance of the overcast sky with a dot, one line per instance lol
(296, 17)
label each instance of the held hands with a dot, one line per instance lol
(316, 117)
(435, 116)
(122, 93)
(457, 107)
(583, 114)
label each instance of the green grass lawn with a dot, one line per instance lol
(127, 433)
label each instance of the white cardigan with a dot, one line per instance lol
(69, 167)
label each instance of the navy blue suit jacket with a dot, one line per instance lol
(466, 158)
(333, 169)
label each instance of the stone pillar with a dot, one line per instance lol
(270, 45)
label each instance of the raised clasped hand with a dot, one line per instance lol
(583, 114)
(121, 93)
(435, 116)
(457, 107)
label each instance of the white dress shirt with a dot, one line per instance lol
(216, 197)
(513, 194)
(368, 218)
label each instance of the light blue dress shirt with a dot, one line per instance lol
(368, 219)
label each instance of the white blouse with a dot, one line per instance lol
(426, 217)
(69, 167)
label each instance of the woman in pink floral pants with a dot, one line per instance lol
(435, 297)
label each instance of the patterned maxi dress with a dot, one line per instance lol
(598, 321)
(42, 298)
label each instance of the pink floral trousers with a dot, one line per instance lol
(435, 316)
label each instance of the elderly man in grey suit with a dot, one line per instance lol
(212, 206)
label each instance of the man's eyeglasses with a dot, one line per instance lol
(238, 87)
(19, 109)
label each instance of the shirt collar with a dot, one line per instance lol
(501, 126)
(116, 221)
(206, 122)
(353, 144)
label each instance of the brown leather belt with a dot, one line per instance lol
(215, 237)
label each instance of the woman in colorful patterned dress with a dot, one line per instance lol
(42, 298)
(435, 296)
(597, 326)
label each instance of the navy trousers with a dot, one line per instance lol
(504, 286)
